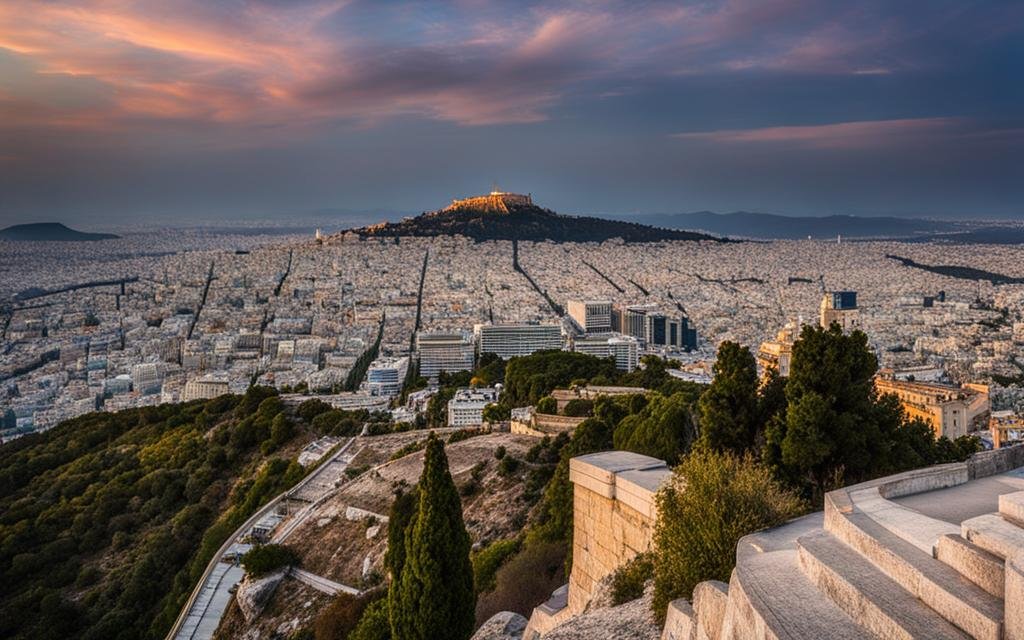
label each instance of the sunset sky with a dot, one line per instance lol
(178, 110)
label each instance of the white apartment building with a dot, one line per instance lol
(443, 352)
(624, 349)
(593, 316)
(204, 388)
(386, 376)
(512, 340)
(466, 408)
(146, 378)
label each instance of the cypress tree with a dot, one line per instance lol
(729, 418)
(403, 512)
(434, 597)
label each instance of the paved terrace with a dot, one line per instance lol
(935, 553)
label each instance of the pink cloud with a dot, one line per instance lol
(840, 135)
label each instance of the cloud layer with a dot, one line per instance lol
(204, 77)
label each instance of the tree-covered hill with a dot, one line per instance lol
(108, 520)
(525, 222)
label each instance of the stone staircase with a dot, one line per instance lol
(869, 567)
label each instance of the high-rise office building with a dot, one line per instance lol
(593, 316)
(386, 376)
(840, 307)
(439, 352)
(512, 340)
(653, 327)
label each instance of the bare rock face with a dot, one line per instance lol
(254, 593)
(504, 625)
(630, 621)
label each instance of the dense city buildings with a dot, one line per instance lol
(511, 340)
(130, 322)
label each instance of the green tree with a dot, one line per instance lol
(729, 416)
(835, 427)
(579, 408)
(374, 624)
(712, 501)
(403, 512)
(267, 558)
(663, 428)
(435, 598)
(547, 405)
(495, 412)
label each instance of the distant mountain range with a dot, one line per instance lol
(50, 232)
(767, 226)
(502, 216)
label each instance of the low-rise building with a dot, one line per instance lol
(777, 354)
(951, 411)
(204, 388)
(386, 376)
(625, 350)
(466, 408)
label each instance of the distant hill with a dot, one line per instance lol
(744, 224)
(50, 232)
(501, 216)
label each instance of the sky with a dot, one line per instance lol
(206, 110)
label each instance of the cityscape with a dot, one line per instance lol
(298, 312)
(587, 320)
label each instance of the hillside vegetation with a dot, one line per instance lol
(525, 222)
(108, 520)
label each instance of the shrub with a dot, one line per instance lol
(463, 434)
(412, 447)
(507, 466)
(712, 501)
(628, 580)
(525, 580)
(499, 452)
(579, 407)
(340, 617)
(547, 405)
(374, 624)
(487, 561)
(311, 408)
(267, 558)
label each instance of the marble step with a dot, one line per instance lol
(871, 598)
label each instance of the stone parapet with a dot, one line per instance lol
(614, 515)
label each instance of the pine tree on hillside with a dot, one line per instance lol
(435, 596)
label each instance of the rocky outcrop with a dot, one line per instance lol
(254, 593)
(631, 621)
(504, 625)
